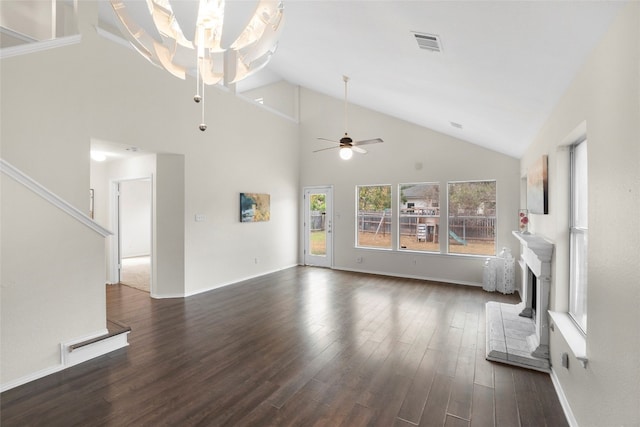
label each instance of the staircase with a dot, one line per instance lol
(114, 339)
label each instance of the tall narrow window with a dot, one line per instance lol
(374, 216)
(472, 217)
(419, 218)
(579, 236)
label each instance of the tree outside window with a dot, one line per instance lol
(374, 216)
(472, 217)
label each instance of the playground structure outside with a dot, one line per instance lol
(468, 235)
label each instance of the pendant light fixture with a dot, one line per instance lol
(215, 40)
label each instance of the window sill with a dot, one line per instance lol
(572, 335)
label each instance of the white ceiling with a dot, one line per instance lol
(503, 67)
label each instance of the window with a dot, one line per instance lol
(419, 218)
(374, 216)
(578, 245)
(472, 217)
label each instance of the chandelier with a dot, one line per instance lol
(215, 40)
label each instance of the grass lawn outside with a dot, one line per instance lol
(318, 242)
(473, 247)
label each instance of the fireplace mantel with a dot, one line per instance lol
(536, 252)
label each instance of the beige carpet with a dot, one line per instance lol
(136, 272)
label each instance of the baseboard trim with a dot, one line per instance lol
(31, 377)
(410, 276)
(166, 296)
(72, 358)
(233, 282)
(571, 419)
(380, 273)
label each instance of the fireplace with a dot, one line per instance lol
(528, 292)
(518, 334)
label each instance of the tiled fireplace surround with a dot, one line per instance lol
(518, 334)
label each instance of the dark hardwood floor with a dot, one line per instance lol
(304, 347)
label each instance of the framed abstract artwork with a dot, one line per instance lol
(255, 207)
(537, 187)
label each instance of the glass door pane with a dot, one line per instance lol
(317, 224)
(317, 227)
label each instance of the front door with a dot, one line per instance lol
(318, 233)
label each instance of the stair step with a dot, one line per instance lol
(114, 328)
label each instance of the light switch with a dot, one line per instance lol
(200, 217)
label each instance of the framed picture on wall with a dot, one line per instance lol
(537, 187)
(255, 207)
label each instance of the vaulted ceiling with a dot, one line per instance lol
(501, 68)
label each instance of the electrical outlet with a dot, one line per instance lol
(200, 217)
(359, 260)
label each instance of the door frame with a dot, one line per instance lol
(328, 189)
(115, 262)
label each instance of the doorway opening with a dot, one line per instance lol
(134, 230)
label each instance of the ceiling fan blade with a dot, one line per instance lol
(358, 150)
(368, 141)
(330, 140)
(324, 149)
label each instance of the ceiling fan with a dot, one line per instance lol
(347, 145)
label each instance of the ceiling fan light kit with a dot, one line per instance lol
(218, 40)
(345, 153)
(346, 144)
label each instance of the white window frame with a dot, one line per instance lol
(357, 227)
(400, 216)
(578, 235)
(448, 207)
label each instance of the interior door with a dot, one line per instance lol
(318, 222)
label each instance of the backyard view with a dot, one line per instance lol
(374, 216)
(318, 235)
(471, 221)
(469, 228)
(472, 217)
(318, 243)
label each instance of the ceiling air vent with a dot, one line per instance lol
(429, 42)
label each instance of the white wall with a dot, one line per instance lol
(245, 148)
(281, 96)
(100, 185)
(442, 158)
(168, 261)
(135, 218)
(52, 270)
(604, 99)
(54, 102)
(52, 284)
